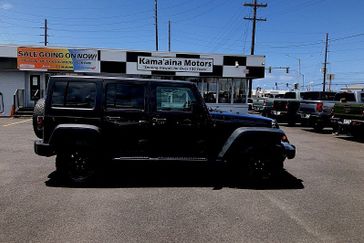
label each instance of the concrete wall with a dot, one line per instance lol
(9, 83)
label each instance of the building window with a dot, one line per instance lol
(209, 90)
(239, 90)
(225, 90)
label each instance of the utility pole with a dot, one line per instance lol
(300, 73)
(156, 23)
(45, 32)
(325, 63)
(255, 5)
(169, 35)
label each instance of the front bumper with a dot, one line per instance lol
(289, 150)
(43, 149)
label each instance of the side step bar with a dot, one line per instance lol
(141, 158)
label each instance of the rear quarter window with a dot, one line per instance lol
(290, 95)
(73, 94)
(345, 96)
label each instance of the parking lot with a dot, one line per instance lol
(319, 198)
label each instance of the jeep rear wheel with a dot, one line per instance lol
(76, 166)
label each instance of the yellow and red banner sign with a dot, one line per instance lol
(52, 59)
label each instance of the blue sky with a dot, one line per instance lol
(294, 30)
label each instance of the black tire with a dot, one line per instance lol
(357, 133)
(38, 111)
(318, 127)
(76, 166)
(291, 123)
(259, 162)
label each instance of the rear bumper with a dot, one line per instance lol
(315, 118)
(43, 149)
(284, 115)
(289, 150)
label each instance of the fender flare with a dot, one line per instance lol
(240, 133)
(75, 135)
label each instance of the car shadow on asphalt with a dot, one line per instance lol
(324, 131)
(351, 138)
(177, 174)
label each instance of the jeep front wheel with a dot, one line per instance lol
(263, 163)
(76, 166)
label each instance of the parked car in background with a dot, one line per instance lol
(285, 109)
(316, 108)
(250, 104)
(348, 114)
(264, 104)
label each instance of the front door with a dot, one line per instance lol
(176, 121)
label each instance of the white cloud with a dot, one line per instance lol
(5, 6)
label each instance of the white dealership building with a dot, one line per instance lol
(222, 79)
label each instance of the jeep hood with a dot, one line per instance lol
(245, 120)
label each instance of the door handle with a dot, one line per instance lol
(187, 122)
(141, 122)
(159, 121)
(113, 118)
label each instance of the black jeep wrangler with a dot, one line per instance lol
(86, 121)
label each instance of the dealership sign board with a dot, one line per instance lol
(175, 64)
(52, 59)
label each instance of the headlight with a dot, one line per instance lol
(275, 124)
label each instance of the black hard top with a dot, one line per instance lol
(108, 78)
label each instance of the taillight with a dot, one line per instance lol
(319, 107)
(40, 121)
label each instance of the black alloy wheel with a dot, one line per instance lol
(76, 166)
(263, 162)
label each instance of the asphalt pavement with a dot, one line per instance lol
(319, 198)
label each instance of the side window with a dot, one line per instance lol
(74, 94)
(174, 99)
(124, 96)
(362, 97)
(59, 91)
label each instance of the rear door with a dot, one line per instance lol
(125, 119)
